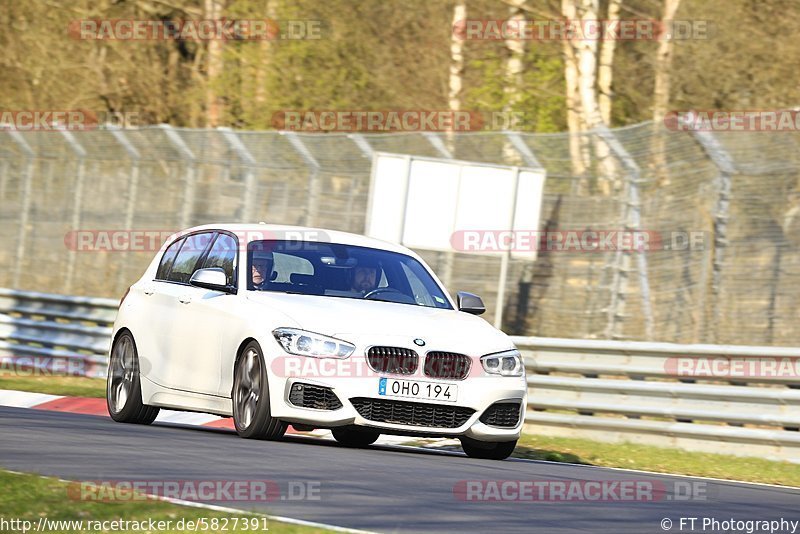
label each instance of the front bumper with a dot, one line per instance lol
(476, 393)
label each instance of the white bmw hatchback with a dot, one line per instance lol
(279, 326)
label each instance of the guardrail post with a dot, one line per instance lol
(25, 211)
(250, 181)
(313, 182)
(631, 214)
(190, 177)
(77, 204)
(723, 183)
(133, 190)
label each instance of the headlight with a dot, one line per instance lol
(507, 363)
(304, 343)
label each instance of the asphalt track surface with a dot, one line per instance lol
(384, 489)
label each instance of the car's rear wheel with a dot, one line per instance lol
(355, 437)
(124, 387)
(252, 416)
(488, 450)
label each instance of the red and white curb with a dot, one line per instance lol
(96, 406)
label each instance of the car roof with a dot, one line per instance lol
(259, 231)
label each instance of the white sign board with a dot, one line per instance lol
(422, 202)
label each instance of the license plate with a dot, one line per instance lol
(417, 389)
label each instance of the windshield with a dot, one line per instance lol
(336, 270)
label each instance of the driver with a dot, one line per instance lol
(261, 269)
(365, 279)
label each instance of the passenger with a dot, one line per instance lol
(261, 270)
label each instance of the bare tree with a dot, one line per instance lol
(581, 64)
(605, 70)
(264, 53)
(512, 87)
(661, 92)
(455, 82)
(214, 63)
(569, 10)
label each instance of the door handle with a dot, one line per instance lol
(185, 299)
(148, 291)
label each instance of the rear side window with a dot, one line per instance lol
(167, 259)
(186, 261)
(223, 255)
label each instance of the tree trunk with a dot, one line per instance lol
(213, 11)
(455, 84)
(262, 63)
(605, 72)
(513, 77)
(661, 92)
(579, 166)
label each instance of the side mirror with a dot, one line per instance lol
(212, 278)
(467, 302)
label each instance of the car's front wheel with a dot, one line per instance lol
(355, 437)
(124, 388)
(251, 410)
(487, 450)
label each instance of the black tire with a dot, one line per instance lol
(252, 416)
(124, 387)
(486, 450)
(355, 437)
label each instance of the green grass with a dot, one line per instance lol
(657, 459)
(75, 386)
(30, 497)
(571, 450)
(651, 458)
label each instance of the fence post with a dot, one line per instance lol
(133, 190)
(524, 150)
(27, 184)
(445, 260)
(312, 206)
(631, 214)
(362, 143)
(190, 177)
(250, 182)
(726, 169)
(77, 204)
(438, 144)
(529, 269)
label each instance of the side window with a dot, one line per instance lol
(167, 259)
(186, 261)
(223, 255)
(286, 265)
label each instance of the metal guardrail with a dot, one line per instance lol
(55, 333)
(632, 390)
(602, 389)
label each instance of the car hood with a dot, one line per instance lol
(374, 322)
